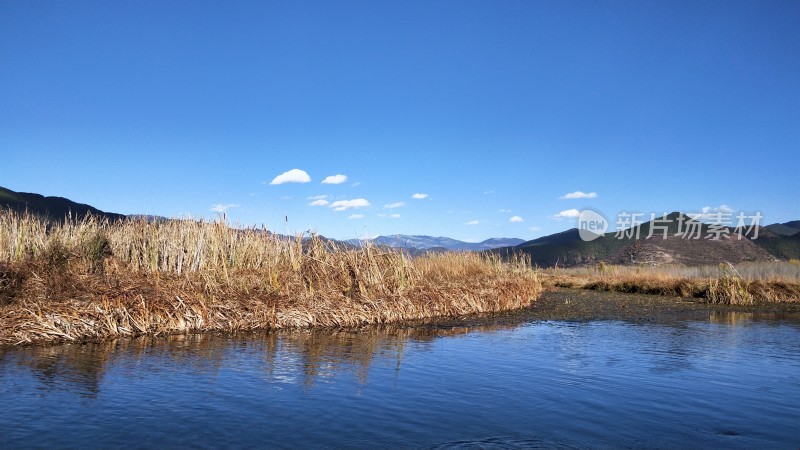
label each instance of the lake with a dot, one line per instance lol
(712, 378)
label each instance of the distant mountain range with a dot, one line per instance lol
(430, 243)
(776, 241)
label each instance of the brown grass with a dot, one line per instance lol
(91, 279)
(743, 284)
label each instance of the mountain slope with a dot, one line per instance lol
(662, 247)
(785, 229)
(56, 208)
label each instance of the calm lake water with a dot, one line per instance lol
(712, 380)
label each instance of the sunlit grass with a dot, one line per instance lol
(745, 283)
(93, 279)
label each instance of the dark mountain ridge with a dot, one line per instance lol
(701, 243)
(54, 208)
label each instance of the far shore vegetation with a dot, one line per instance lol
(91, 279)
(747, 283)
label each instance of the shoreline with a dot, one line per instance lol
(555, 304)
(726, 287)
(78, 307)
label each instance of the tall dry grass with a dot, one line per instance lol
(93, 279)
(740, 284)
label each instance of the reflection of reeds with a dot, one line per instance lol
(742, 284)
(313, 353)
(94, 279)
(731, 317)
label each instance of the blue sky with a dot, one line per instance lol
(493, 109)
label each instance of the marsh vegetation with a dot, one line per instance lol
(95, 279)
(739, 284)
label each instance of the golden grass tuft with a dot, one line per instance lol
(91, 279)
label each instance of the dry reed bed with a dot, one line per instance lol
(743, 284)
(90, 279)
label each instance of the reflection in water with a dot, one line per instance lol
(320, 353)
(743, 317)
(508, 383)
(82, 366)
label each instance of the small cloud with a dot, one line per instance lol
(505, 211)
(725, 209)
(472, 222)
(419, 196)
(320, 202)
(317, 197)
(394, 216)
(567, 214)
(356, 216)
(488, 192)
(335, 179)
(578, 194)
(356, 184)
(395, 205)
(344, 205)
(220, 208)
(713, 213)
(292, 176)
(516, 219)
(534, 229)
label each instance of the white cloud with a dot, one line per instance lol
(356, 216)
(578, 194)
(394, 216)
(395, 205)
(344, 205)
(725, 209)
(505, 211)
(317, 197)
(516, 219)
(567, 214)
(534, 228)
(292, 176)
(419, 196)
(488, 192)
(335, 179)
(356, 184)
(713, 214)
(320, 202)
(472, 222)
(220, 208)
